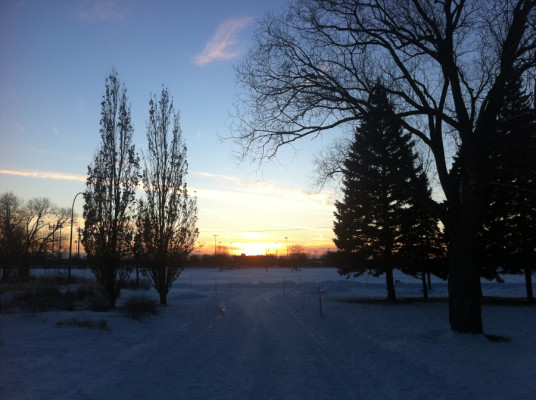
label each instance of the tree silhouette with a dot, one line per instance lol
(377, 203)
(109, 196)
(423, 250)
(27, 232)
(508, 236)
(445, 65)
(167, 216)
(11, 233)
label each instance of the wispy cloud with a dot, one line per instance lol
(102, 10)
(45, 175)
(266, 189)
(255, 206)
(222, 45)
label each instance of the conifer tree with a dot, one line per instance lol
(380, 168)
(446, 64)
(109, 196)
(508, 236)
(423, 249)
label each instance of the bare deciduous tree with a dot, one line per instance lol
(109, 196)
(27, 232)
(167, 216)
(296, 257)
(329, 163)
(445, 64)
(11, 232)
(42, 221)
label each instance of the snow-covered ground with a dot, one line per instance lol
(256, 334)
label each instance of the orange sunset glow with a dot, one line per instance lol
(242, 208)
(311, 242)
(255, 217)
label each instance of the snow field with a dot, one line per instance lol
(255, 339)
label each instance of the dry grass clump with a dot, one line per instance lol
(89, 323)
(138, 306)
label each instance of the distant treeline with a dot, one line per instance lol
(225, 261)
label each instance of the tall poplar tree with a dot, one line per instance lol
(109, 196)
(381, 165)
(167, 216)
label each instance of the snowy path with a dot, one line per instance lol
(284, 356)
(255, 343)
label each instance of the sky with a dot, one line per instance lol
(54, 58)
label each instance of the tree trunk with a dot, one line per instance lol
(6, 274)
(528, 284)
(112, 288)
(391, 294)
(466, 213)
(163, 298)
(424, 287)
(24, 271)
(111, 301)
(465, 292)
(429, 280)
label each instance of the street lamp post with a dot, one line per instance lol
(215, 236)
(52, 227)
(78, 241)
(286, 245)
(71, 240)
(59, 247)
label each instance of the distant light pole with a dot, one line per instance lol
(286, 245)
(59, 247)
(71, 240)
(215, 236)
(79, 238)
(52, 227)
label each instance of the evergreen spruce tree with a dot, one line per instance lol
(423, 248)
(379, 171)
(508, 235)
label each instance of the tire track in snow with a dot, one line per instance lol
(292, 355)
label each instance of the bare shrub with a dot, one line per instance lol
(49, 293)
(138, 306)
(40, 298)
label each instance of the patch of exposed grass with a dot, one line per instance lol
(41, 297)
(89, 323)
(498, 338)
(48, 293)
(139, 306)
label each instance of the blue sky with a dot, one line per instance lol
(55, 56)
